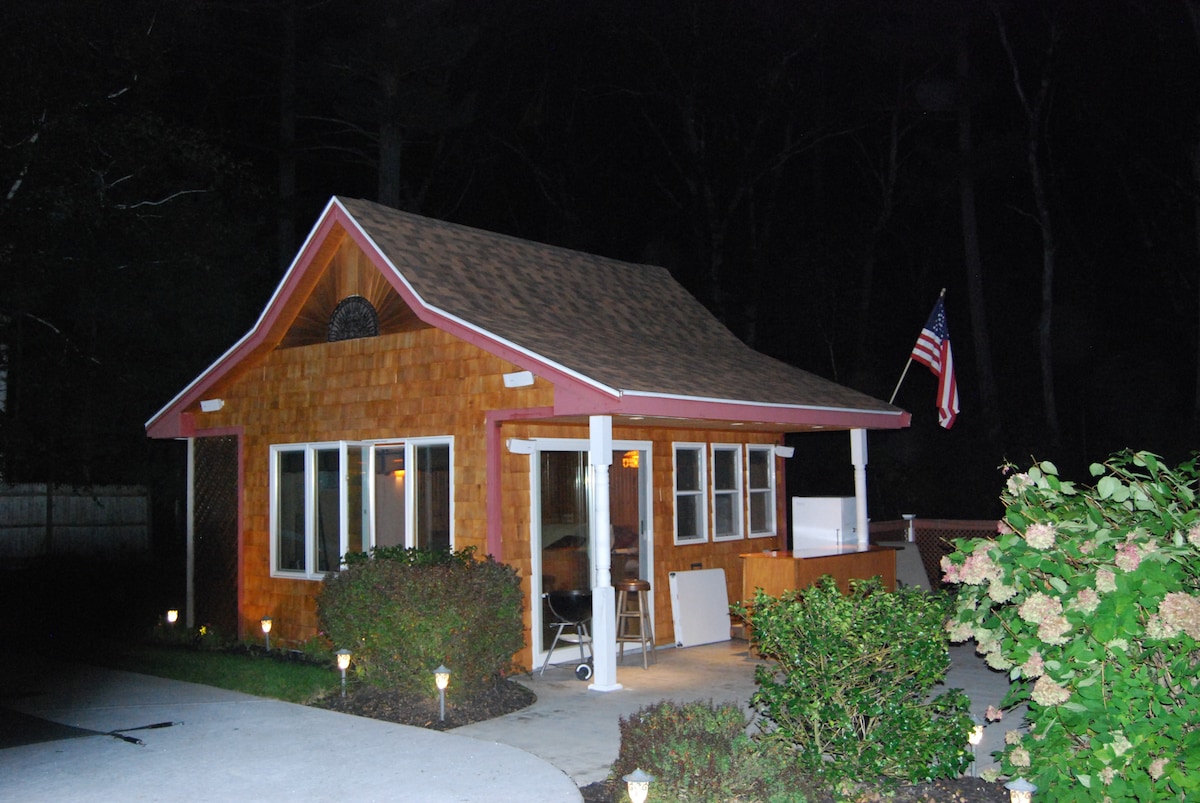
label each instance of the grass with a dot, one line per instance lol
(248, 672)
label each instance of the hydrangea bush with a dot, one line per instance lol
(1089, 598)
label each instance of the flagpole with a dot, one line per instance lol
(904, 373)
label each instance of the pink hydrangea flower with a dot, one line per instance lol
(1040, 536)
(1046, 692)
(1033, 666)
(1157, 767)
(1129, 556)
(993, 714)
(1086, 601)
(1106, 581)
(1019, 757)
(1054, 630)
(950, 571)
(1180, 611)
(1193, 535)
(1038, 607)
(1017, 483)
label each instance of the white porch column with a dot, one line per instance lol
(189, 609)
(858, 456)
(604, 602)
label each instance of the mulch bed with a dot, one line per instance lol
(422, 711)
(958, 790)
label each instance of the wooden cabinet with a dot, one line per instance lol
(776, 572)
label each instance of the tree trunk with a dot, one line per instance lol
(286, 231)
(1193, 8)
(972, 258)
(1034, 118)
(391, 136)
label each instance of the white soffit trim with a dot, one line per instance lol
(781, 405)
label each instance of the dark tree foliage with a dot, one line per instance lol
(798, 166)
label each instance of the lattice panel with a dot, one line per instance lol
(216, 533)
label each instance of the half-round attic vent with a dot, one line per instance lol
(352, 318)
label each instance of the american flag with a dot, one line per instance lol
(933, 350)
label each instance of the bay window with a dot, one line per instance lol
(330, 499)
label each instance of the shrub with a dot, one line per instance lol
(849, 680)
(1090, 599)
(405, 611)
(697, 751)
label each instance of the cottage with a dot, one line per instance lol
(421, 383)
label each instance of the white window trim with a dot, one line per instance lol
(772, 508)
(739, 531)
(310, 450)
(410, 508)
(702, 492)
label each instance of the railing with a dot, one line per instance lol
(934, 538)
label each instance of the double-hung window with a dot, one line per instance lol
(330, 499)
(760, 488)
(726, 491)
(691, 520)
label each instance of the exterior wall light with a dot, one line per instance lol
(637, 785)
(266, 628)
(343, 663)
(1020, 791)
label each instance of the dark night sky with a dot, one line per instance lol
(796, 165)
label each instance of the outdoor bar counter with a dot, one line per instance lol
(778, 571)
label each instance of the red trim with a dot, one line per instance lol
(495, 420)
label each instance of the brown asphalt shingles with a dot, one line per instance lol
(628, 327)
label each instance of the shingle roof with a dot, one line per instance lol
(629, 327)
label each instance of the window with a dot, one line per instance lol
(691, 521)
(329, 499)
(761, 490)
(727, 492)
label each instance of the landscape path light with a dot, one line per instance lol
(637, 785)
(266, 626)
(172, 616)
(441, 676)
(1020, 791)
(343, 663)
(974, 738)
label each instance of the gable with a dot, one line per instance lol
(348, 275)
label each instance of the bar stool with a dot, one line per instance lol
(633, 611)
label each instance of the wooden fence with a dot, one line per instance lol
(934, 538)
(39, 520)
